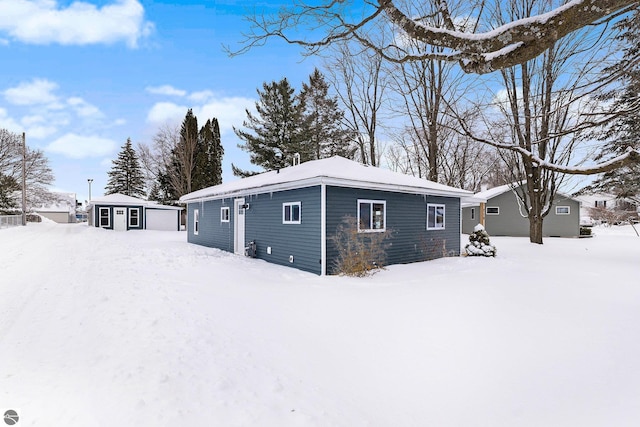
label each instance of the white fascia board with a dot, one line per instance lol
(336, 182)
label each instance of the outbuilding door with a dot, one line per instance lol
(238, 228)
(120, 219)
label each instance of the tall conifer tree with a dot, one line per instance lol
(125, 176)
(275, 134)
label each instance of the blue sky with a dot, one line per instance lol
(81, 77)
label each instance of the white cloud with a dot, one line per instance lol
(78, 146)
(35, 92)
(230, 111)
(9, 123)
(45, 22)
(201, 96)
(165, 90)
(84, 109)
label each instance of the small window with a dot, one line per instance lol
(224, 214)
(372, 215)
(134, 217)
(196, 221)
(563, 210)
(291, 213)
(473, 213)
(435, 217)
(105, 217)
(492, 210)
(601, 203)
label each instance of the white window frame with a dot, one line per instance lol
(371, 218)
(290, 205)
(486, 210)
(225, 214)
(137, 217)
(435, 206)
(196, 221)
(568, 212)
(100, 210)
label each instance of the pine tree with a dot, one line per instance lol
(125, 176)
(323, 120)
(208, 164)
(624, 132)
(276, 133)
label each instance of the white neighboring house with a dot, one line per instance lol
(63, 211)
(121, 213)
(603, 201)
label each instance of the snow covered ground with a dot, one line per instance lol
(100, 328)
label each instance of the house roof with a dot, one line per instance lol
(484, 196)
(336, 171)
(118, 199)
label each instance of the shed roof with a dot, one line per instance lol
(118, 199)
(336, 171)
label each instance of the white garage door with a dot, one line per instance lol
(161, 219)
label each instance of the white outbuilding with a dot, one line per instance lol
(121, 213)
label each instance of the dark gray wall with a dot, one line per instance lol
(212, 232)
(406, 218)
(263, 224)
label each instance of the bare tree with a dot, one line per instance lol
(361, 83)
(480, 48)
(544, 107)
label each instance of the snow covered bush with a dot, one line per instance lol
(359, 254)
(479, 244)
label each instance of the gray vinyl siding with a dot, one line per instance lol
(406, 216)
(213, 232)
(263, 224)
(512, 222)
(468, 223)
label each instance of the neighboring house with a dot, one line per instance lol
(504, 215)
(63, 211)
(591, 203)
(120, 212)
(291, 214)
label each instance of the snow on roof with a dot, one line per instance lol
(333, 171)
(496, 191)
(124, 200)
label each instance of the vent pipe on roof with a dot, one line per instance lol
(296, 159)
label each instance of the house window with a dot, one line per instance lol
(196, 221)
(473, 213)
(435, 217)
(291, 213)
(493, 210)
(372, 215)
(224, 214)
(563, 210)
(134, 217)
(601, 203)
(105, 217)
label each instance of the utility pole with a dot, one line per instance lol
(24, 179)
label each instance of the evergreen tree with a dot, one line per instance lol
(623, 133)
(125, 176)
(8, 186)
(208, 165)
(323, 120)
(276, 133)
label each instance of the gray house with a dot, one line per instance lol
(120, 212)
(503, 214)
(289, 215)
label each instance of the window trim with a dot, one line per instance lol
(108, 217)
(290, 205)
(225, 214)
(486, 210)
(371, 221)
(196, 221)
(568, 212)
(444, 216)
(137, 210)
